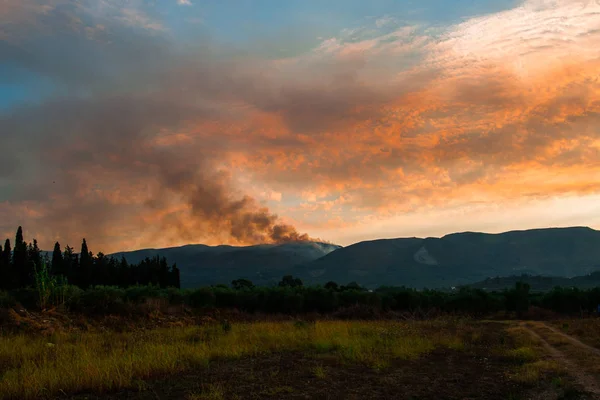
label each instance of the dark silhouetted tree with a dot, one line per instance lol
(241, 284)
(34, 258)
(113, 272)
(19, 261)
(10, 279)
(83, 269)
(100, 272)
(85, 266)
(4, 272)
(124, 273)
(70, 264)
(351, 286)
(58, 267)
(517, 299)
(290, 281)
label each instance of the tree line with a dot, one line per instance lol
(291, 297)
(18, 267)
(110, 285)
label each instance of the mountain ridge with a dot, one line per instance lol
(208, 265)
(451, 260)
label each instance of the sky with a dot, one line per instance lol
(147, 123)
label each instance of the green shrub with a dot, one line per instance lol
(103, 300)
(200, 298)
(138, 294)
(320, 300)
(225, 297)
(174, 295)
(27, 297)
(72, 295)
(6, 300)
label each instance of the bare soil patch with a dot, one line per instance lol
(471, 373)
(447, 375)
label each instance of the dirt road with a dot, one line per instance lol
(572, 362)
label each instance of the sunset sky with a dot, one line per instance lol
(159, 123)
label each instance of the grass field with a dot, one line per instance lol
(327, 353)
(587, 329)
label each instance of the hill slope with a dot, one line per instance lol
(263, 264)
(459, 258)
(452, 260)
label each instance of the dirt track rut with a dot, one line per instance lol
(573, 340)
(583, 378)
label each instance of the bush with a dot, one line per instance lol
(320, 300)
(175, 296)
(225, 297)
(27, 297)
(284, 300)
(201, 298)
(72, 295)
(138, 294)
(6, 300)
(251, 300)
(103, 300)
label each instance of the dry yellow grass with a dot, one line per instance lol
(531, 354)
(32, 367)
(532, 372)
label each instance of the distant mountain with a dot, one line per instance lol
(459, 258)
(452, 260)
(262, 264)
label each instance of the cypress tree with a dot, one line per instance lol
(19, 242)
(57, 261)
(85, 265)
(9, 277)
(112, 272)
(70, 265)
(4, 272)
(100, 270)
(34, 255)
(20, 260)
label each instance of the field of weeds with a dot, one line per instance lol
(65, 364)
(585, 329)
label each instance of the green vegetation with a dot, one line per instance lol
(33, 367)
(529, 354)
(586, 329)
(538, 283)
(345, 302)
(26, 266)
(319, 372)
(77, 357)
(50, 289)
